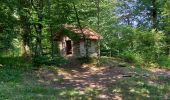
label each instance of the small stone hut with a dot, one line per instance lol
(75, 42)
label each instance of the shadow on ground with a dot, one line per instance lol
(107, 82)
(76, 81)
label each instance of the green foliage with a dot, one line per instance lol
(7, 25)
(137, 45)
(48, 60)
(12, 68)
(132, 57)
(164, 61)
(10, 74)
(71, 35)
(166, 14)
(15, 62)
(32, 23)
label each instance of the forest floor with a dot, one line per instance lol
(112, 80)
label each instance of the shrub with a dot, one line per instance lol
(47, 60)
(137, 45)
(164, 61)
(12, 68)
(132, 57)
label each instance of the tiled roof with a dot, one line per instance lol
(87, 32)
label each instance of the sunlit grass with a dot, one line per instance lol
(142, 88)
(18, 81)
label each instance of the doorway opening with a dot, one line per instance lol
(68, 47)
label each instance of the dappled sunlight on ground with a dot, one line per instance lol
(112, 83)
(159, 71)
(87, 77)
(109, 81)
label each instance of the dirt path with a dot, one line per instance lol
(89, 76)
(158, 72)
(86, 77)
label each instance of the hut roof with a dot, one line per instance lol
(87, 32)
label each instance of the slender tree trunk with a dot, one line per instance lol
(154, 14)
(50, 29)
(26, 31)
(39, 29)
(84, 37)
(98, 14)
(98, 28)
(128, 20)
(25, 26)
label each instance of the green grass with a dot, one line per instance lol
(164, 62)
(142, 89)
(19, 91)
(19, 82)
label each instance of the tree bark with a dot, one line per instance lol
(25, 26)
(39, 28)
(98, 28)
(50, 29)
(79, 24)
(154, 14)
(26, 31)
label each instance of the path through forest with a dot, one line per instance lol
(108, 81)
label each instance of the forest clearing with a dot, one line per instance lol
(85, 50)
(110, 81)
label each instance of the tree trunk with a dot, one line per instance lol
(98, 28)
(25, 26)
(25, 37)
(38, 37)
(78, 21)
(50, 29)
(39, 29)
(154, 14)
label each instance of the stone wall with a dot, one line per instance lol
(93, 49)
(76, 49)
(79, 48)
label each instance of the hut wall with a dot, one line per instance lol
(79, 48)
(93, 49)
(62, 45)
(82, 49)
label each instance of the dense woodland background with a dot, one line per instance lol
(136, 30)
(134, 62)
